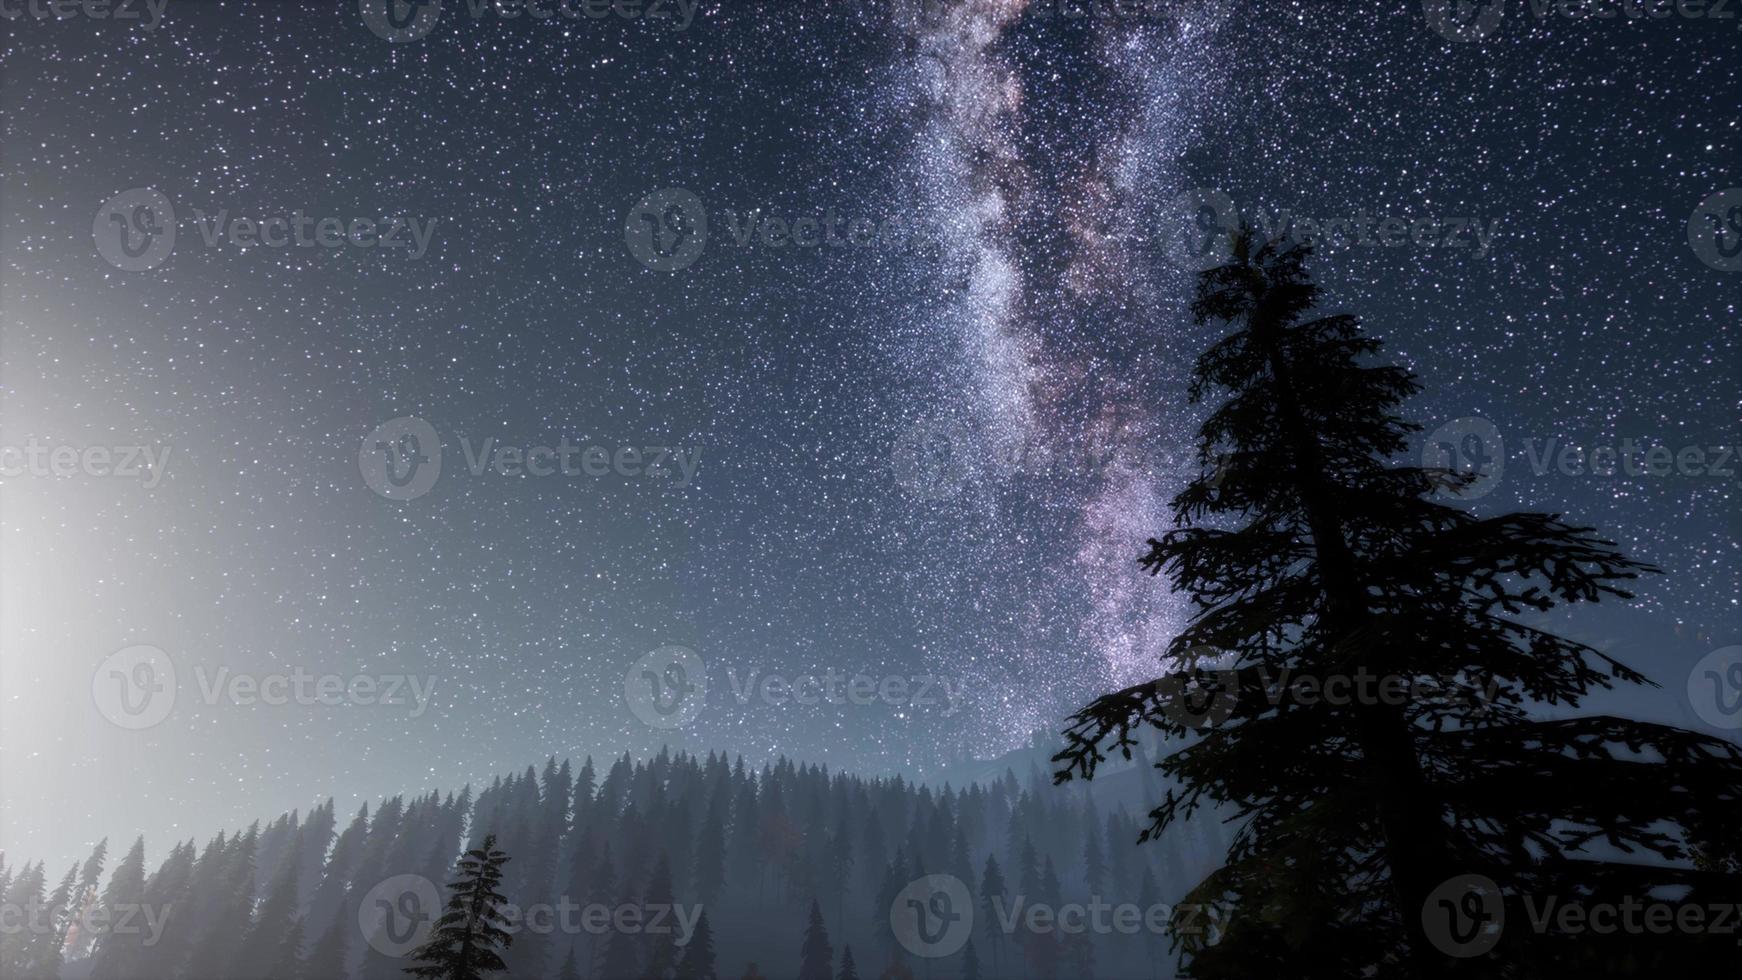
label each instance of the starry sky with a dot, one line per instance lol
(1028, 328)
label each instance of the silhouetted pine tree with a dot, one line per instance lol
(126, 890)
(848, 970)
(661, 954)
(621, 961)
(698, 953)
(468, 940)
(993, 893)
(816, 958)
(569, 971)
(1311, 553)
(327, 960)
(273, 922)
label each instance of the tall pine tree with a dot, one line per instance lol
(1312, 552)
(469, 938)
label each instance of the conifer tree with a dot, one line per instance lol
(698, 954)
(993, 894)
(816, 958)
(1094, 862)
(661, 948)
(569, 971)
(327, 960)
(849, 971)
(1311, 552)
(259, 953)
(468, 940)
(126, 890)
(971, 963)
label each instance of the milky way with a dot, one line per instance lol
(929, 456)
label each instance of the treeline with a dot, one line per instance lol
(753, 851)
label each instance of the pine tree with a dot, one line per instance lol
(971, 963)
(816, 957)
(327, 960)
(126, 890)
(273, 922)
(1094, 862)
(570, 970)
(621, 961)
(468, 939)
(1310, 552)
(698, 954)
(710, 855)
(661, 954)
(848, 970)
(993, 894)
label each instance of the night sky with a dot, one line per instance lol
(932, 453)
